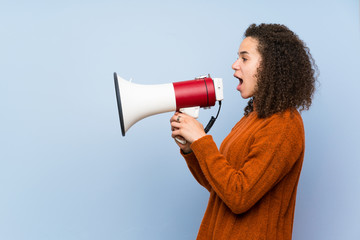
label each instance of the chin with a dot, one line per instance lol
(245, 96)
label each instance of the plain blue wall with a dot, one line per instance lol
(67, 173)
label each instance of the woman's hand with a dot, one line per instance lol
(186, 127)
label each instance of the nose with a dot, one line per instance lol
(236, 65)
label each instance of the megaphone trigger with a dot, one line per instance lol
(180, 140)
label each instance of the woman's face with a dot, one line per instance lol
(246, 67)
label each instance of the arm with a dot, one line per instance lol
(195, 170)
(274, 151)
(186, 151)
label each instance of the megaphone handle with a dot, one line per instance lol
(191, 111)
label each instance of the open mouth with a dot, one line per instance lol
(240, 79)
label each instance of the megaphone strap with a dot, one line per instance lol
(212, 120)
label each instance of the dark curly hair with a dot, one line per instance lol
(287, 72)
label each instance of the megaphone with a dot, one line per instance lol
(137, 101)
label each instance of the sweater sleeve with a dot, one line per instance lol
(195, 170)
(274, 151)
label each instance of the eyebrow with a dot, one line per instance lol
(243, 52)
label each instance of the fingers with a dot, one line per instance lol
(175, 125)
(175, 121)
(176, 117)
(187, 127)
(175, 132)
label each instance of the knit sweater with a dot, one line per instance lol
(252, 178)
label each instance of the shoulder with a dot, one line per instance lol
(252, 127)
(289, 117)
(289, 124)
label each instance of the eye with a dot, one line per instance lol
(244, 59)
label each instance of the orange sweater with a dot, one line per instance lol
(252, 179)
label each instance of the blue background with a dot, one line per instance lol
(67, 173)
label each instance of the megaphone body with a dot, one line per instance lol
(137, 101)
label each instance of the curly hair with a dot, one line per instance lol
(287, 73)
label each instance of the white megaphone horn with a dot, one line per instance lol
(136, 101)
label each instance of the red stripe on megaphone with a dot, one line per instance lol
(198, 92)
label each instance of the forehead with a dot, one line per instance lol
(249, 45)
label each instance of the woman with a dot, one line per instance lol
(253, 177)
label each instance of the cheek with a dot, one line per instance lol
(255, 73)
(254, 80)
